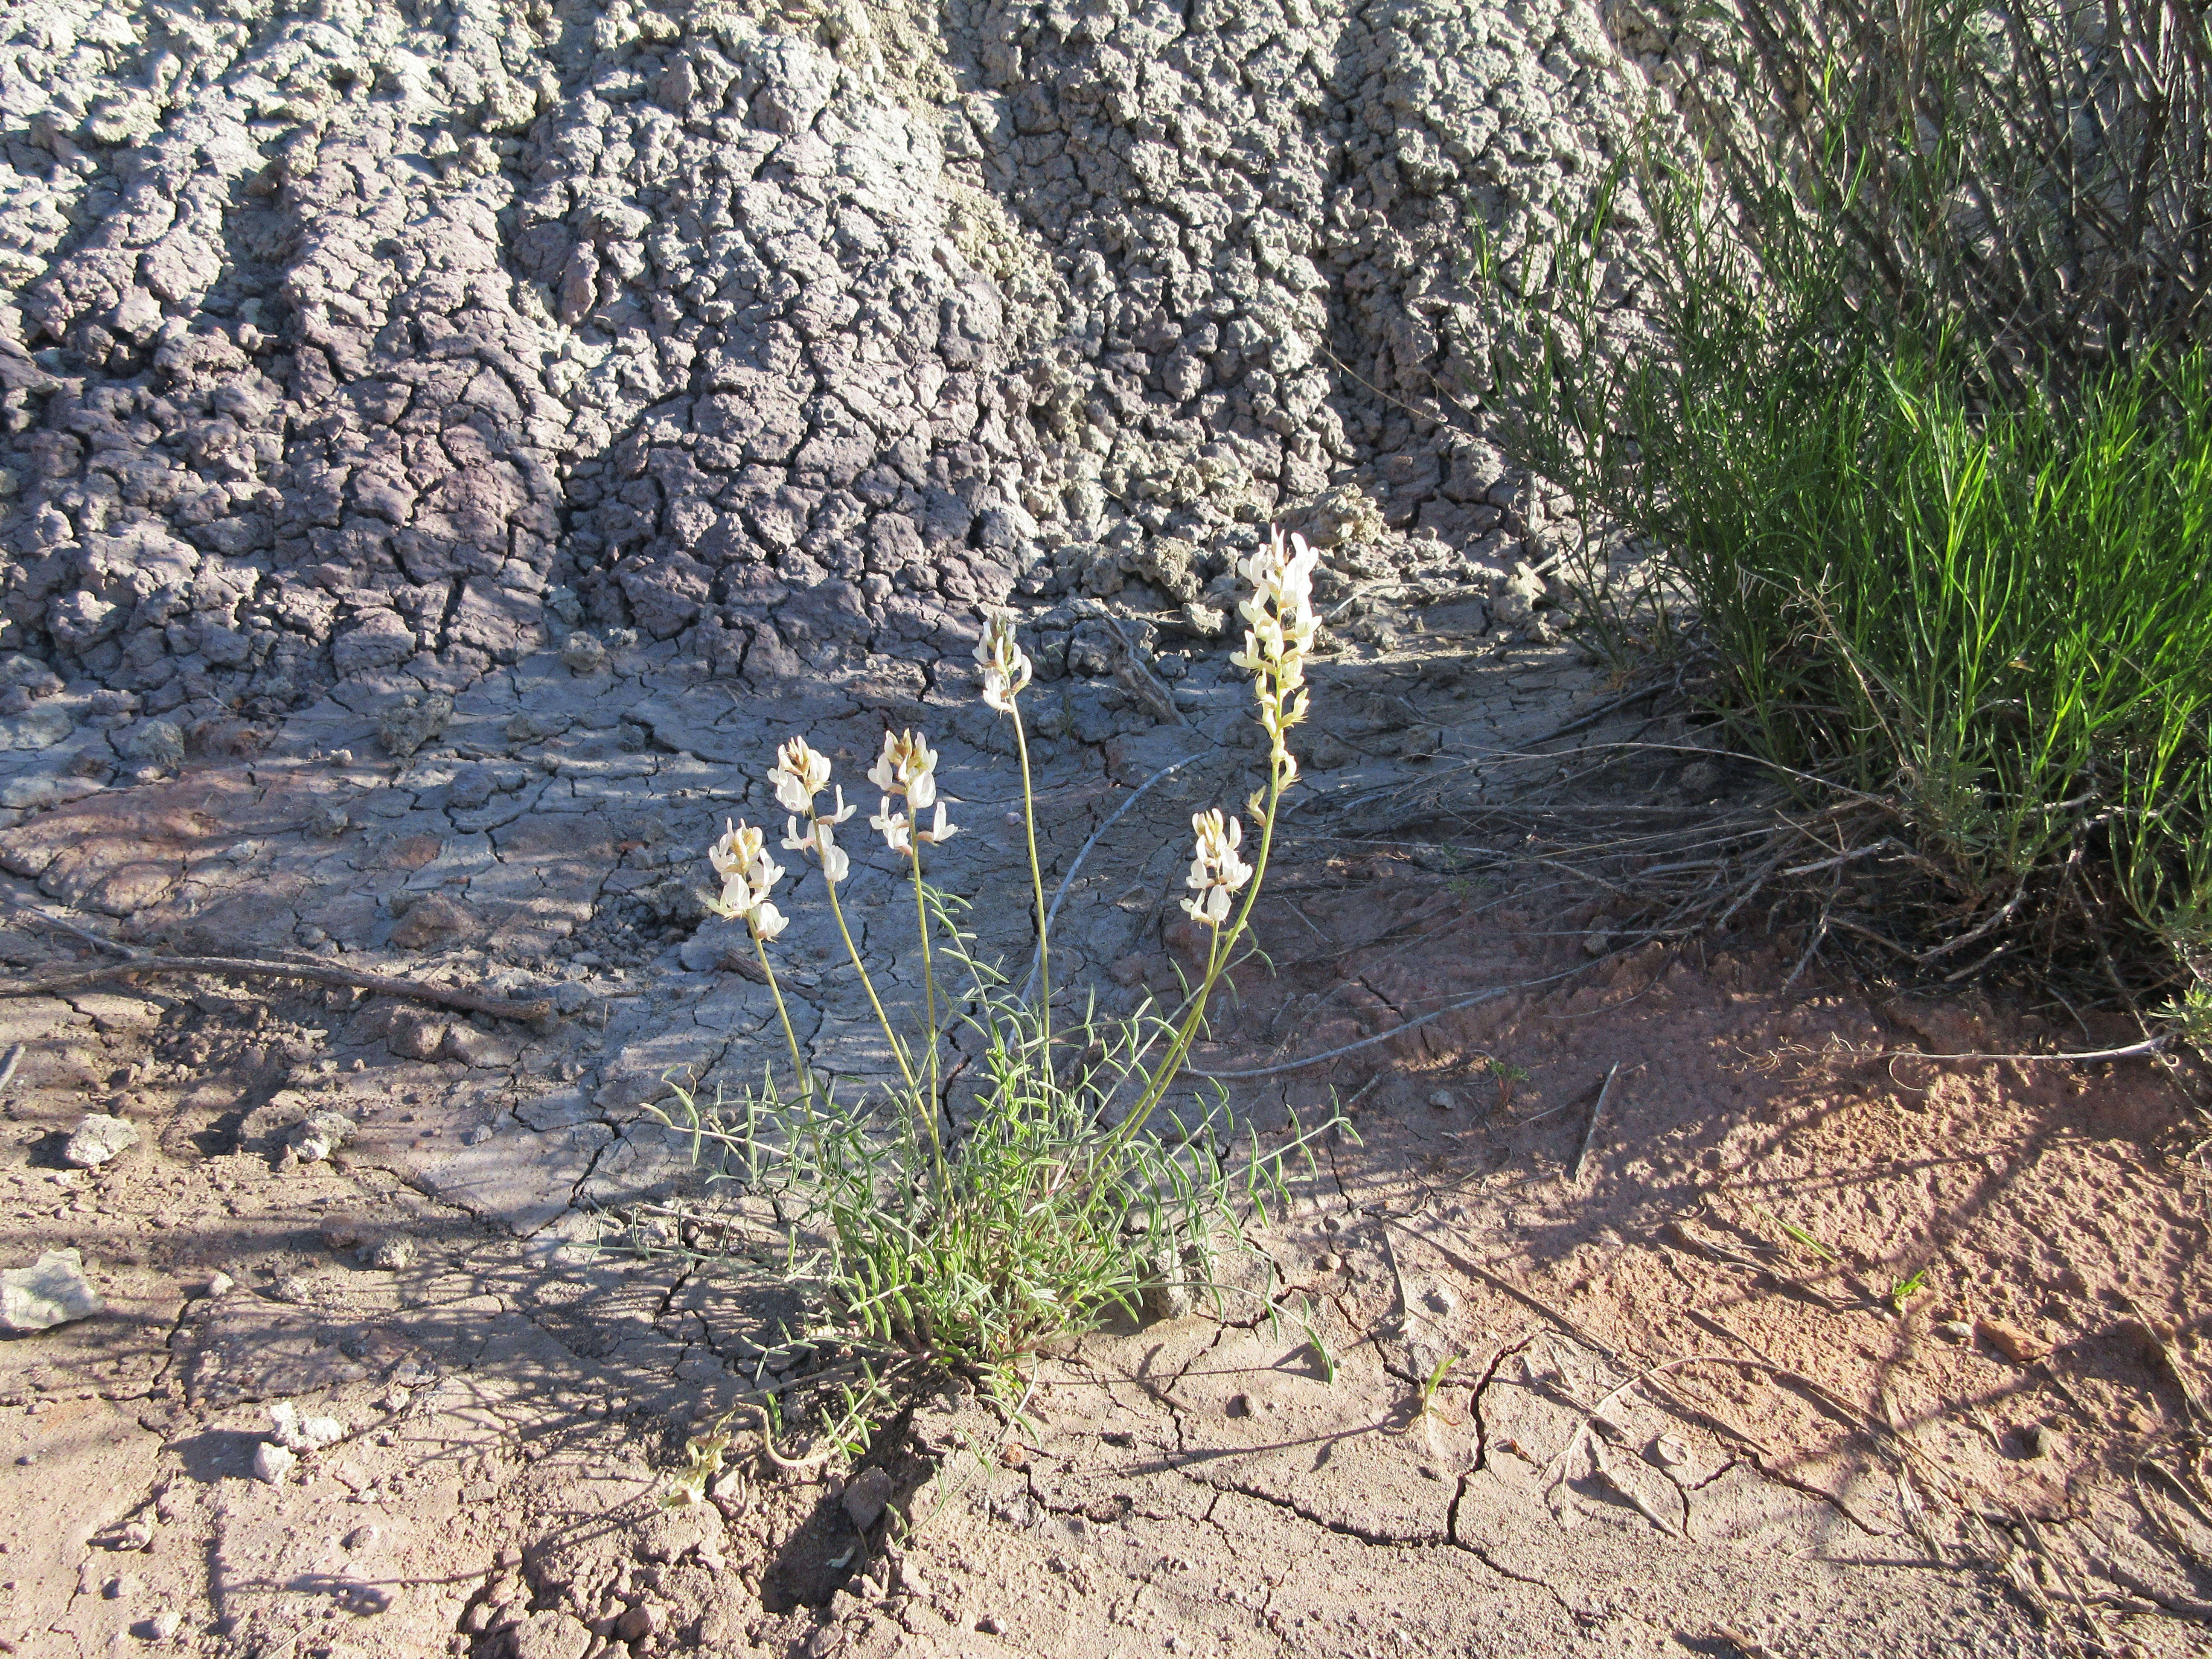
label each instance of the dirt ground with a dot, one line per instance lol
(1752, 1328)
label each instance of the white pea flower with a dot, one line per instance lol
(899, 833)
(907, 766)
(740, 847)
(749, 875)
(892, 826)
(834, 864)
(1217, 871)
(1005, 666)
(817, 839)
(800, 773)
(1280, 623)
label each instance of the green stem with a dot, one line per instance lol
(776, 989)
(1225, 940)
(1037, 885)
(798, 1061)
(898, 1048)
(929, 1004)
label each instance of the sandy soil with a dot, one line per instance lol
(1678, 1412)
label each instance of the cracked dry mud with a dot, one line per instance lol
(513, 1398)
(443, 449)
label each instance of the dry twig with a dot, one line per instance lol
(449, 996)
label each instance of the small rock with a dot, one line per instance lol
(393, 1253)
(699, 956)
(1169, 1295)
(217, 1283)
(411, 722)
(2011, 1341)
(1596, 943)
(328, 824)
(1240, 1405)
(549, 1634)
(866, 1496)
(161, 1626)
(361, 1538)
(293, 1287)
(157, 744)
(133, 1535)
(342, 1232)
(320, 1134)
(52, 1290)
(435, 920)
(989, 1625)
(1955, 1330)
(1443, 1100)
(583, 654)
(638, 1622)
(572, 998)
(1325, 752)
(382, 640)
(480, 1049)
(272, 1462)
(303, 1434)
(415, 1034)
(1328, 1261)
(1516, 602)
(99, 1138)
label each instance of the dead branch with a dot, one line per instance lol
(449, 996)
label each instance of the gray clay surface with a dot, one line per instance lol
(445, 447)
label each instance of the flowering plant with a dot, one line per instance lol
(1024, 1225)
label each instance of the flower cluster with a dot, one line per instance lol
(1280, 631)
(1279, 628)
(749, 875)
(908, 768)
(1005, 666)
(800, 773)
(1217, 871)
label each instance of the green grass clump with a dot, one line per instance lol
(936, 1228)
(1910, 413)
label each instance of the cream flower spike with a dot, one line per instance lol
(1217, 871)
(800, 773)
(1005, 666)
(749, 875)
(907, 766)
(737, 849)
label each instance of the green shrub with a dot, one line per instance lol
(1908, 414)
